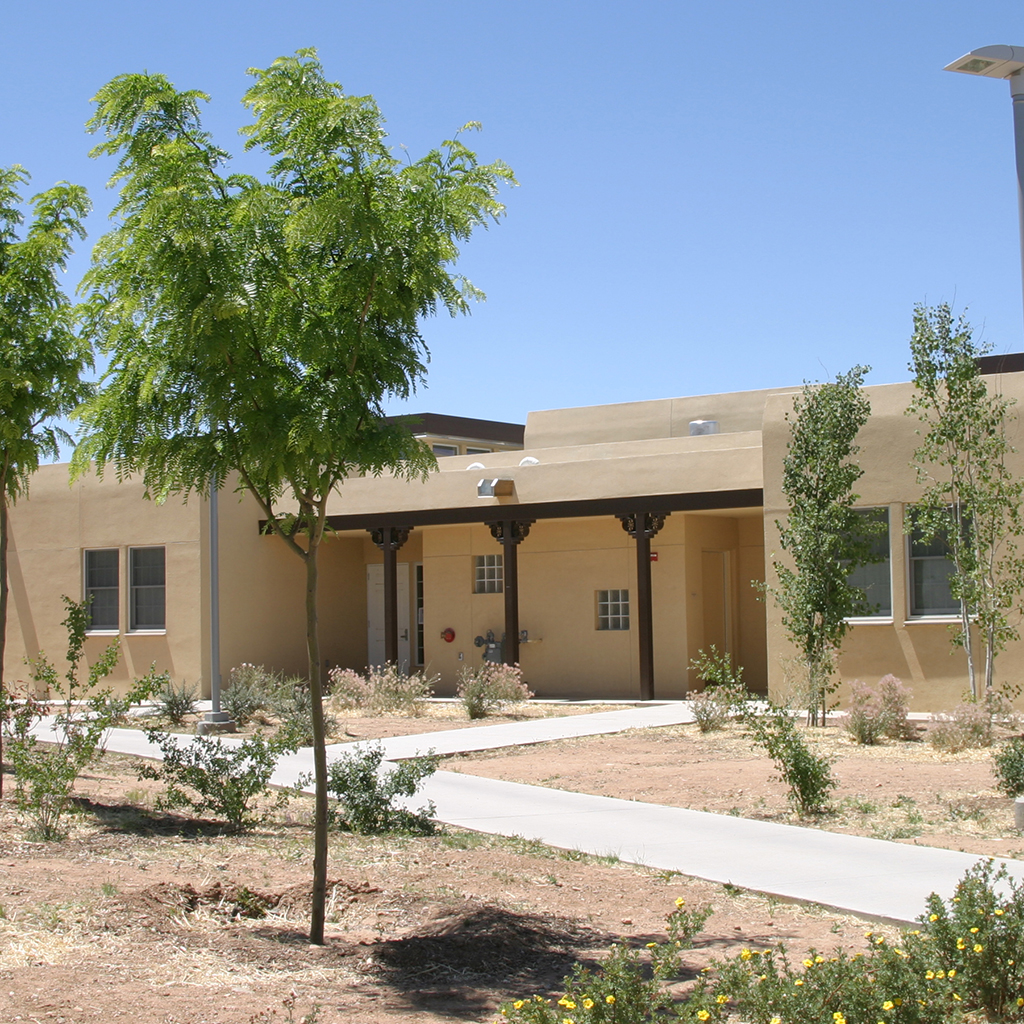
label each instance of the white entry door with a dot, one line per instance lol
(375, 615)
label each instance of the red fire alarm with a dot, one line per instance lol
(654, 556)
(448, 635)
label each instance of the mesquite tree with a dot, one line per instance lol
(971, 499)
(256, 325)
(823, 535)
(41, 356)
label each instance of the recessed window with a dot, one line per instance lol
(930, 572)
(489, 576)
(101, 588)
(441, 450)
(875, 579)
(478, 451)
(613, 609)
(148, 585)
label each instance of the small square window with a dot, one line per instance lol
(102, 588)
(148, 585)
(489, 575)
(613, 609)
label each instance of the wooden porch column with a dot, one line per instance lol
(643, 527)
(510, 533)
(389, 539)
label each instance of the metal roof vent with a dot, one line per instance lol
(700, 427)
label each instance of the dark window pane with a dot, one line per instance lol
(147, 567)
(101, 588)
(147, 588)
(874, 579)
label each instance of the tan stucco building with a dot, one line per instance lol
(609, 543)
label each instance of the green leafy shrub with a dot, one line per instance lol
(808, 775)
(628, 988)
(176, 703)
(490, 687)
(209, 775)
(294, 708)
(964, 963)
(250, 690)
(716, 668)
(1009, 767)
(366, 794)
(45, 773)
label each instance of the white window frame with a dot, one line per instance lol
(488, 574)
(87, 591)
(133, 588)
(612, 610)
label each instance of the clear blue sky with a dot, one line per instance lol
(715, 194)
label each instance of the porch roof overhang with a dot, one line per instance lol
(699, 501)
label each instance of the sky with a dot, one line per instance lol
(715, 195)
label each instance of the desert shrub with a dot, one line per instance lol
(714, 706)
(250, 690)
(716, 669)
(629, 987)
(176, 703)
(1009, 767)
(294, 708)
(967, 726)
(875, 713)
(45, 773)
(366, 795)
(348, 689)
(808, 775)
(209, 775)
(491, 687)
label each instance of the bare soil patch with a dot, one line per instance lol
(900, 790)
(150, 917)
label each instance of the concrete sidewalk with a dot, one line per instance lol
(864, 876)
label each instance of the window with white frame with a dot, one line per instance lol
(101, 588)
(147, 579)
(489, 577)
(613, 609)
(875, 579)
(930, 572)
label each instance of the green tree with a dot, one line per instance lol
(41, 356)
(823, 535)
(255, 326)
(971, 499)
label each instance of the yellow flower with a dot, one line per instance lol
(588, 1003)
(819, 959)
(867, 935)
(518, 1004)
(722, 999)
(952, 973)
(978, 947)
(956, 997)
(999, 913)
(745, 954)
(880, 941)
(808, 963)
(960, 944)
(568, 1020)
(839, 1018)
(680, 902)
(799, 981)
(933, 917)
(1020, 1000)
(567, 1003)
(929, 975)
(974, 931)
(775, 1020)
(651, 945)
(887, 1005)
(940, 975)
(609, 1000)
(703, 1015)
(764, 977)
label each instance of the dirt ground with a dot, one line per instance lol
(900, 790)
(148, 917)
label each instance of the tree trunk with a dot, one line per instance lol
(4, 588)
(965, 619)
(990, 658)
(316, 923)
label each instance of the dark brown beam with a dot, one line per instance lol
(700, 501)
(389, 540)
(643, 527)
(510, 533)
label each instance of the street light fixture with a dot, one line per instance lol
(1004, 62)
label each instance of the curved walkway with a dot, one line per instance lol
(851, 873)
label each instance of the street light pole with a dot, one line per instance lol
(1004, 62)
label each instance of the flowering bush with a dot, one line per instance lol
(385, 689)
(964, 963)
(875, 713)
(491, 687)
(715, 705)
(1008, 764)
(968, 725)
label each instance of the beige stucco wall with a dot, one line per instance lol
(51, 527)
(918, 651)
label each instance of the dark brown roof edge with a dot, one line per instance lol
(1013, 362)
(462, 426)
